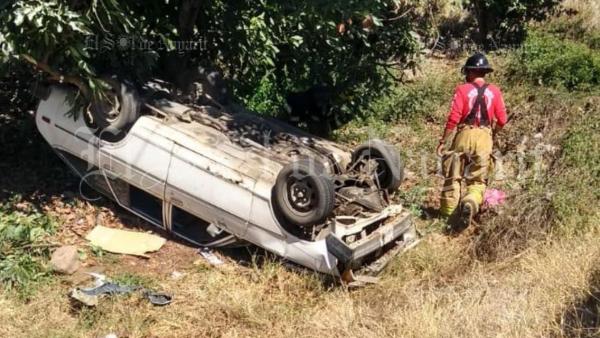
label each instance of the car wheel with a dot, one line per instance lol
(304, 193)
(115, 112)
(390, 170)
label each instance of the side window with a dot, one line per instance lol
(190, 226)
(146, 204)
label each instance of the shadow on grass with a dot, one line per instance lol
(583, 318)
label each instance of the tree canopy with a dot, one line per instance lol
(265, 48)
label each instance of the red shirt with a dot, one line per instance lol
(464, 98)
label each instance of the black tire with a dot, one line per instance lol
(390, 166)
(113, 115)
(304, 193)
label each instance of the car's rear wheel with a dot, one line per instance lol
(304, 193)
(112, 114)
(390, 170)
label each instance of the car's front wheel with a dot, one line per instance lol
(304, 193)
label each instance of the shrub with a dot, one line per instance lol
(580, 172)
(547, 60)
(267, 98)
(410, 101)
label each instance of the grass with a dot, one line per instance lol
(433, 291)
(24, 246)
(530, 269)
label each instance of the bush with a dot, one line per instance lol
(415, 100)
(547, 60)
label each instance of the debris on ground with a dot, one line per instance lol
(158, 298)
(494, 197)
(176, 275)
(109, 288)
(125, 242)
(65, 260)
(102, 287)
(210, 257)
(83, 298)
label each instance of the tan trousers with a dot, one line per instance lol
(468, 159)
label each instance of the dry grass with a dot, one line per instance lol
(432, 291)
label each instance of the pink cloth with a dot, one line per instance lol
(493, 197)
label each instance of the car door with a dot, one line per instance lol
(204, 184)
(136, 168)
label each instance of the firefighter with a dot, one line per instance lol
(477, 112)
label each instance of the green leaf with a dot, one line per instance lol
(18, 21)
(297, 40)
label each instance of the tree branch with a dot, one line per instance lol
(56, 76)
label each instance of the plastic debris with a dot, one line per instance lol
(109, 288)
(158, 298)
(91, 296)
(494, 197)
(83, 298)
(210, 257)
(99, 278)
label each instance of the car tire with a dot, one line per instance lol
(391, 174)
(113, 115)
(304, 193)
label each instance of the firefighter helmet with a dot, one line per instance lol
(477, 61)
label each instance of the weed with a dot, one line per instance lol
(23, 246)
(413, 199)
(579, 172)
(97, 251)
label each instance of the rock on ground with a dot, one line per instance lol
(65, 260)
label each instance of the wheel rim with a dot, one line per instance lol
(381, 172)
(301, 196)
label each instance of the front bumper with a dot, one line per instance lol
(372, 253)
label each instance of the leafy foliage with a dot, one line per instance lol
(546, 59)
(22, 246)
(414, 100)
(271, 45)
(505, 21)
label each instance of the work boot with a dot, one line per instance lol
(467, 211)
